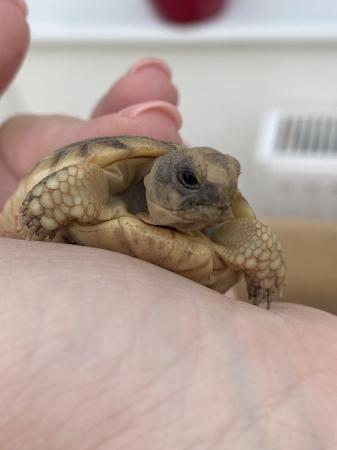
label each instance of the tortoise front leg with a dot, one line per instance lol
(249, 246)
(75, 193)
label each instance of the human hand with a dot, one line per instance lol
(102, 351)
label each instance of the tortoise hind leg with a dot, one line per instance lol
(76, 193)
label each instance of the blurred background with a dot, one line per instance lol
(257, 79)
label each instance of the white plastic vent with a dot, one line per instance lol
(296, 163)
(310, 135)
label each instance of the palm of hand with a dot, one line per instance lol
(133, 368)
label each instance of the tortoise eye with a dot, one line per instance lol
(188, 179)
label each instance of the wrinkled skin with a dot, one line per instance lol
(94, 356)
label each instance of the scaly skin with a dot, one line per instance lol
(73, 193)
(251, 246)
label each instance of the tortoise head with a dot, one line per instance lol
(191, 189)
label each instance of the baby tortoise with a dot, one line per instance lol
(177, 208)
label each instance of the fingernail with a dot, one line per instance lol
(150, 62)
(163, 107)
(21, 4)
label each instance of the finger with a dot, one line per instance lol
(149, 79)
(14, 38)
(26, 139)
(19, 151)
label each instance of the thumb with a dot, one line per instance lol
(14, 39)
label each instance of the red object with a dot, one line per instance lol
(188, 10)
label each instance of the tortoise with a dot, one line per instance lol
(179, 208)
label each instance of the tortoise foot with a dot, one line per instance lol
(34, 230)
(258, 294)
(53, 202)
(251, 247)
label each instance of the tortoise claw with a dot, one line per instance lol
(258, 294)
(33, 230)
(29, 223)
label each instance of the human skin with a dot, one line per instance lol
(102, 351)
